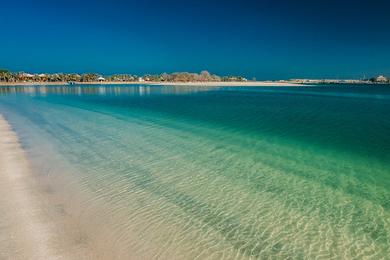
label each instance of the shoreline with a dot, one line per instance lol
(44, 211)
(154, 83)
(26, 231)
(34, 223)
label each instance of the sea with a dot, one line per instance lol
(185, 172)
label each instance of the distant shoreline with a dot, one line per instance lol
(206, 84)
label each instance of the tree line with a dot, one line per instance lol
(203, 76)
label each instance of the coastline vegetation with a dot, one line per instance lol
(203, 76)
(7, 76)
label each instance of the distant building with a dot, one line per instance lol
(141, 79)
(381, 78)
(28, 75)
(42, 77)
(101, 79)
(25, 76)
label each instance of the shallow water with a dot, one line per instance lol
(233, 173)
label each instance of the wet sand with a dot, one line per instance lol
(48, 215)
(32, 224)
(25, 231)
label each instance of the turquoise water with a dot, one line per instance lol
(223, 173)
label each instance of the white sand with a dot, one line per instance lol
(24, 232)
(42, 216)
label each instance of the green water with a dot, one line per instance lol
(223, 173)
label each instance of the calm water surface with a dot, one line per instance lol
(222, 173)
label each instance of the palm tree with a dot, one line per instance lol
(6, 76)
(89, 77)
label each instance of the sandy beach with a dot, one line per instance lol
(206, 84)
(27, 232)
(32, 224)
(42, 214)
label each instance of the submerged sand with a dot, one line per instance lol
(43, 215)
(25, 232)
(31, 226)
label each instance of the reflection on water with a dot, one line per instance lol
(219, 173)
(111, 90)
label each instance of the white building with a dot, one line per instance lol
(27, 75)
(381, 78)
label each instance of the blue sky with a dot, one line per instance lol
(263, 39)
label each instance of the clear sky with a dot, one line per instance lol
(265, 39)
